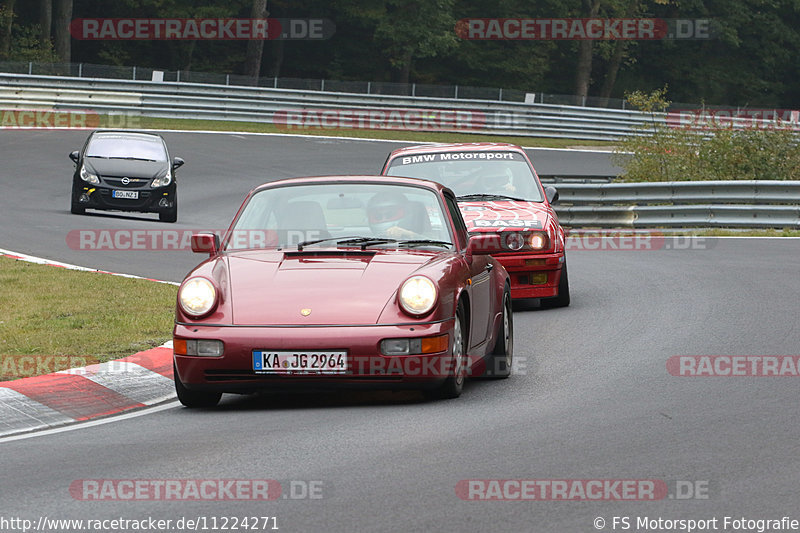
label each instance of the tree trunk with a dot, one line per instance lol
(278, 63)
(405, 70)
(45, 23)
(255, 47)
(583, 71)
(5, 31)
(63, 40)
(613, 70)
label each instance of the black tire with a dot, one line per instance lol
(193, 398)
(562, 300)
(75, 208)
(453, 385)
(171, 215)
(499, 363)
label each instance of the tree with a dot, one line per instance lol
(6, 22)
(255, 47)
(63, 40)
(583, 70)
(413, 29)
(45, 22)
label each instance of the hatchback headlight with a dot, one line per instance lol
(88, 176)
(163, 181)
(197, 297)
(417, 295)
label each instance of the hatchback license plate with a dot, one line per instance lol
(290, 362)
(127, 195)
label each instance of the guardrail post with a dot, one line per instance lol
(413, 89)
(321, 85)
(30, 68)
(369, 87)
(275, 82)
(178, 76)
(500, 97)
(227, 79)
(456, 93)
(80, 70)
(134, 73)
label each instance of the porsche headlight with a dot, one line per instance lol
(197, 297)
(538, 241)
(88, 176)
(163, 181)
(417, 295)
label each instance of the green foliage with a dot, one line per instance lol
(677, 154)
(652, 102)
(25, 46)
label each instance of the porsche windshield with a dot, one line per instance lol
(145, 147)
(466, 173)
(341, 213)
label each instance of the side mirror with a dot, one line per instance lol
(483, 244)
(551, 193)
(177, 162)
(75, 156)
(205, 243)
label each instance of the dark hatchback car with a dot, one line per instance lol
(125, 171)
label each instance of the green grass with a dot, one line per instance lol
(48, 311)
(746, 233)
(136, 122)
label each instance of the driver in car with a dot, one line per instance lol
(392, 216)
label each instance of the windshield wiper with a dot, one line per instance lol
(363, 241)
(132, 158)
(489, 197)
(414, 242)
(366, 241)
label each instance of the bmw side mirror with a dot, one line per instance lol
(177, 162)
(75, 156)
(551, 193)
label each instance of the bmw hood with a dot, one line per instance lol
(316, 287)
(501, 215)
(118, 168)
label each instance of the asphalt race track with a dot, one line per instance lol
(591, 397)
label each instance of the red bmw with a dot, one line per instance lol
(499, 192)
(342, 281)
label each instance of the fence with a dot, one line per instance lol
(592, 201)
(298, 109)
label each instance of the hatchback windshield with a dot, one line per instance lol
(144, 147)
(466, 173)
(364, 214)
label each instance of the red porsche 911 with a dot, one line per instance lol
(357, 281)
(499, 192)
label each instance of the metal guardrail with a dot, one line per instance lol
(260, 104)
(677, 204)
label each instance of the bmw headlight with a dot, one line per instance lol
(197, 297)
(88, 176)
(417, 295)
(538, 241)
(163, 181)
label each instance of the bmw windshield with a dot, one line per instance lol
(505, 174)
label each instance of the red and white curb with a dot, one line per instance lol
(81, 394)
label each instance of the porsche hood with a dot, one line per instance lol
(316, 287)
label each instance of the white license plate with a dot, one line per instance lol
(128, 195)
(290, 362)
